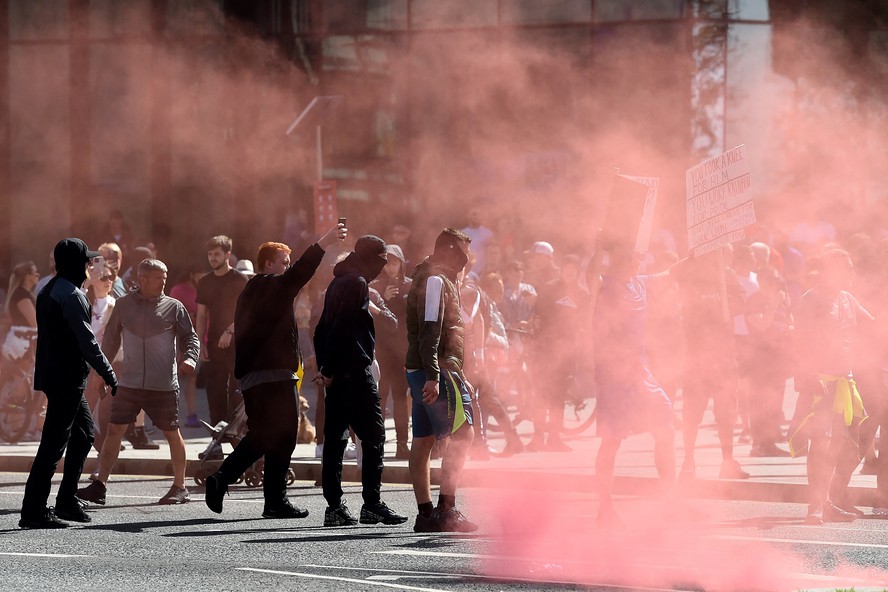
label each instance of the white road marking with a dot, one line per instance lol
(338, 579)
(57, 555)
(438, 554)
(803, 542)
(500, 578)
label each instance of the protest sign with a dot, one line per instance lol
(719, 205)
(643, 238)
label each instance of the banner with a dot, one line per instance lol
(719, 207)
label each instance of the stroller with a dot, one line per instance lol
(231, 431)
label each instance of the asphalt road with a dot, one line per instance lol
(529, 541)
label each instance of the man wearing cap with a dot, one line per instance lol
(541, 268)
(268, 365)
(66, 348)
(344, 345)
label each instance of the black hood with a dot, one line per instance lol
(355, 264)
(71, 256)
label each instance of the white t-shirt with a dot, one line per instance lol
(99, 312)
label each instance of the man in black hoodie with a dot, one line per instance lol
(344, 343)
(268, 366)
(66, 348)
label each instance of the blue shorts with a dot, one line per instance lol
(448, 413)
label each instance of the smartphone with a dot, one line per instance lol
(98, 268)
(342, 220)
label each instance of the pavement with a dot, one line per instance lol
(772, 479)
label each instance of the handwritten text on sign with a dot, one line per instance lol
(718, 205)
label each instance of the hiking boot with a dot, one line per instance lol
(833, 514)
(176, 495)
(730, 469)
(46, 519)
(284, 510)
(340, 516)
(215, 492)
(141, 440)
(452, 520)
(428, 523)
(402, 452)
(380, 512)
(71, 511)
(93, 493)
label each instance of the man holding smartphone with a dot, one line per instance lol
(268, 365)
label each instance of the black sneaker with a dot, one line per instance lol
(47, 519)
(833, 514)
(340, 516)
(94, 493)
(380, 512)
(452, 520)
(71, 511)
(176, 495)
(428, 523)
(215, 492)
(284, 510)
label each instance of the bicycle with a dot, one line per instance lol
(20, 405)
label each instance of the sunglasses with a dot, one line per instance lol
(107, 278)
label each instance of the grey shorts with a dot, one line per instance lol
(161, 406)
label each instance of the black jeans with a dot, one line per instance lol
(221, 385)
(352, 400)
(69, 424)
(272, 411)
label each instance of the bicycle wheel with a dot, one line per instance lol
(15, 408)
(579, 414)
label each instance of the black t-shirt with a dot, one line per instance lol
(219, 294)
(15, 315)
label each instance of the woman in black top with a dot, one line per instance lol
(20, 299)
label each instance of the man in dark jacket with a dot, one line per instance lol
(268, 365)
(344, 345)
(66, 348)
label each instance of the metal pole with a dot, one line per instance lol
(319, 155)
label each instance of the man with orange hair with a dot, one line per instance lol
(267, 359)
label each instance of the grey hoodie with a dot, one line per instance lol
(153, 332)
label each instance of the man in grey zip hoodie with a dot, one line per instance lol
(153, 328)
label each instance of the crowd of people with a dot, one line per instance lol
(487, 331)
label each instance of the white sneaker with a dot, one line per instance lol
(351, 453)
(319, 451)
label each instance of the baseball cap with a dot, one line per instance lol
(245, 266)
(370, 247)
(542, 248)
(73, 249)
